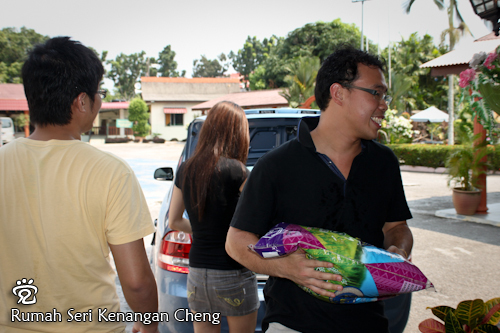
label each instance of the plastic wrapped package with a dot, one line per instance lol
(368, 272)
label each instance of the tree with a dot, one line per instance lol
(205, 67)
(271, 72)
(101, 56)
(413, 87)
(301, 80)
(247, 59)
(453, 33)
(126, 71)
(138, 114)
(14, 47)
(318, 39)
(167, 63)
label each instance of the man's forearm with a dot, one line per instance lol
(144, 298)
(237, 247)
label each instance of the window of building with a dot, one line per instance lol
(174, 119)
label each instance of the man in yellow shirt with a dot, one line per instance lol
(64, 205)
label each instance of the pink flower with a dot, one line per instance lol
(491, 57)
(466, 77)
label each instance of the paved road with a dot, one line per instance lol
(462, 259)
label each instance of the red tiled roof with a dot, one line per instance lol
(114, 105)
(248, 99)
(14, 105)
(12, 98)
(11, 91)
(189, 80)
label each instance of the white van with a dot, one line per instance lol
(7, 129)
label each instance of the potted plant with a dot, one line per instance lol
(464, 166)
(468, 317)
(157, 139)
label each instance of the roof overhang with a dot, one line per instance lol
(174, 110)
(248, 100)
(14, 105)
(458, 60)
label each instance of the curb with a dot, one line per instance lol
(413, 168)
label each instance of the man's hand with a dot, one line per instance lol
(141, 328)
(397, 250)
(398, 238)
(299, 269)
(295, 266)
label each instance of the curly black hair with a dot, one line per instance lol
(341, 67)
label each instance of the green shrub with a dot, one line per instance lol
(434, 156)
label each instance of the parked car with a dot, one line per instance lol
(269, 128)
(7, 129)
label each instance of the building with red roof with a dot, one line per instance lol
(171, 100)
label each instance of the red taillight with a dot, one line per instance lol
(174, 252)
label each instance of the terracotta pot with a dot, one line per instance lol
(466, 202)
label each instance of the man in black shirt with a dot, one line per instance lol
(331, 176)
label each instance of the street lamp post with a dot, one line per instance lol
(488, 10)
(362, 11)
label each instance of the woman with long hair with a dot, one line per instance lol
(208, 186)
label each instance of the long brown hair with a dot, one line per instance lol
(224, 133)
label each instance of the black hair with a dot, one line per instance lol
(54, 74)
(341, 67)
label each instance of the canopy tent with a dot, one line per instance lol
(432, 114)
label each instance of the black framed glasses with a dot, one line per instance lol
(375, 93)
(102, 93)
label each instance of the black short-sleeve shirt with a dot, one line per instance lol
(293, 184)
(209, 234)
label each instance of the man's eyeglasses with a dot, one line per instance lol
(376, 94)
(102, 93)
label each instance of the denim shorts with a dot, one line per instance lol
(228, 292)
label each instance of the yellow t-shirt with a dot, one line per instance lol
(61, 203)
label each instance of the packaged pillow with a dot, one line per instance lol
(368, 272)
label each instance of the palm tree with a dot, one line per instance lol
(300, 80)
(453, 33)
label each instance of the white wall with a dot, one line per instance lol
(171, 132)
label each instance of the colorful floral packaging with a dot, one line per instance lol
(369, 273)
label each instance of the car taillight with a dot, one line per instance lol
(174, 252)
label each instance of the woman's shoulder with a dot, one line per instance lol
(226, 162)
(232, 167)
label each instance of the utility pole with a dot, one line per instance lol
(451, 95)
(362, 12)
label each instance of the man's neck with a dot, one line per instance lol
(330, 140)
(51, 132)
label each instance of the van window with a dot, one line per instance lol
(6, 122)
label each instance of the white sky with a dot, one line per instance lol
(195, 27)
